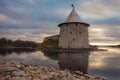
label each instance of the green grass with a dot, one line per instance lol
(49, 44)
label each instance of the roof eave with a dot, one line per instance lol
(59, 25)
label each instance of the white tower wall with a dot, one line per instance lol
(74, 35)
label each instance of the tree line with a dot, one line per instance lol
(17, 43)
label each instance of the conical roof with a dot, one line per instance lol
(73, 17)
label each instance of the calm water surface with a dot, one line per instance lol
(100, 63)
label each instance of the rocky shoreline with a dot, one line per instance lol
(20, 71)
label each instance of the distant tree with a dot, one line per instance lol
(3, 42)
(17, 43)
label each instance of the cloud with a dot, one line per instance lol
(4, 17)
(99, 8)
(104, 34)
(38, 17)
(25, 34)
(104, 61)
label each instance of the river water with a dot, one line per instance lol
(100, 63)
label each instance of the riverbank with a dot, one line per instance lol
(20, 71)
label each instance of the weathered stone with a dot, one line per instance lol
(18, 73)
(37, 75)
(82, 77)
(90, 77)
(1, 71)
(53, 77)
(52, 69)
(26, 65)
(22, 67)
(9, 69)
(71, 77)
(7, 77)
(2, 78)
(28, 78)
(17, 78)
(18, 65)
(33, 72)
(36, 79)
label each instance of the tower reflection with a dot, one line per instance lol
(74, 61)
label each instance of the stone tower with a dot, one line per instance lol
(73, 32)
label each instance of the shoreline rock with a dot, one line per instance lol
(20, 71)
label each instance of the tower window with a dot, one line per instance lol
(80, 32)
(73, 39)
(73, 62)
(70, 32)
(69, 46)
(76, 24)
(67, 24)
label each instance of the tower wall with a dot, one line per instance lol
(73, 35)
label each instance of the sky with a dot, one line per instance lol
(35, 19)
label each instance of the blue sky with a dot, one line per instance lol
(36, 19)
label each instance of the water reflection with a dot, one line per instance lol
(105, 63)
(101, 63)
(8, 51)
(52, 55)
(74, 61)
(27, 56)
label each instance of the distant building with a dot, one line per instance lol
(73, 32)
(55, 37)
